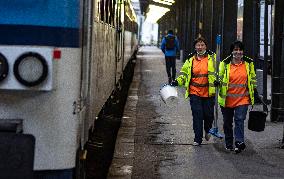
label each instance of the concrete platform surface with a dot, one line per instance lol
(155, 140)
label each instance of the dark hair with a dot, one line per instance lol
(199, 39)
(237, 44)
(170, 32)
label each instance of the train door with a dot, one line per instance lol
(82, 103)
(86, 69)
(119, 39)
(85, 76)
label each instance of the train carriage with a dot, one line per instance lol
(60, 62)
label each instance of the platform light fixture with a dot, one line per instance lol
(155, 13)
(166, 2)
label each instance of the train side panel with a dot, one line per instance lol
(103, 65)
(48, 115)
(127, 47)
(49, 110)
(86, 59)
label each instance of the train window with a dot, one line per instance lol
(111, 12)
(4, 67)
(130, 20)
(106, 11)
(102, 9)
(30, 69)
(97, 11)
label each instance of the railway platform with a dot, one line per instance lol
(156, 141)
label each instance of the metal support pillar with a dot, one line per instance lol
(208, 22)
(199, 17)
(265, 52)
(277, 106)
(186, 29)
(180, 19)
(251, 28)
(160, 35)
(225, 23)
(229, 25)
(217, 23)
(189, 27)
(180, 22)
(193, 22)
(140, 29)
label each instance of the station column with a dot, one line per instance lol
(277, 107)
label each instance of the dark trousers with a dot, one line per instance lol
(238, 114)
(202, 110)
(171, 68)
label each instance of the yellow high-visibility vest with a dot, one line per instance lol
(224, 74)
(186, 72)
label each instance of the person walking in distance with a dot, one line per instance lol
(170, 46)
(237, 90)
(198, 77)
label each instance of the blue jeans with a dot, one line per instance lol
(239, 114)
(202, 110)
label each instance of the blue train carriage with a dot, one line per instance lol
(105, 45)
(114, 43)
(59, 63)
(109, 28)
(40, 85)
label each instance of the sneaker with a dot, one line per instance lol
(170, 80)
(207, 136)
(239, 147)
(229, 148)
(196, 144)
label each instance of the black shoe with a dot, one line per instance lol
(239, 147)
(229, 148)
(170, 80)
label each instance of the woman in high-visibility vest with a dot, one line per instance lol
(198, 76)
(237, 89)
